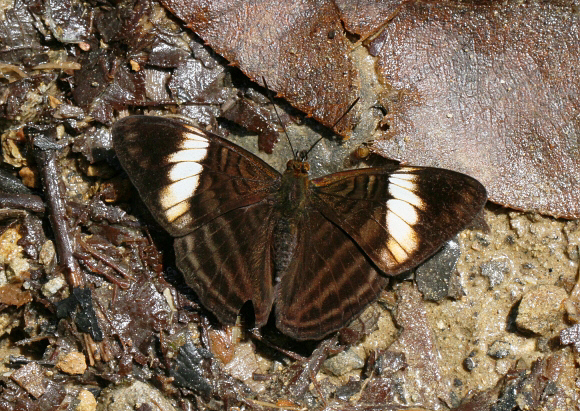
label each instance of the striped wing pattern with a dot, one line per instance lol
(330, 282)
(187, 176)
(363, 220)
(399, 216)
(220, 202)
(227, 262)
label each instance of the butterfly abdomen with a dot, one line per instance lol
(284, 240)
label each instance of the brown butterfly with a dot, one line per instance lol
(318, 251)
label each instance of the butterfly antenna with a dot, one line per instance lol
(334, 125)
(269, 92)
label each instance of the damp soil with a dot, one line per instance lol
(105, 321)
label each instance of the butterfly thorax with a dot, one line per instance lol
(291, 203)
(292, 194)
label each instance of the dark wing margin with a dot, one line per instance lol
(227, 262)
(329, 282)
(185, 175)
(399, 216)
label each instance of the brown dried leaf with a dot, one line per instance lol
(31, 378)
(489, 90)
(68, 20)
(192, 81)
(21, 41)
(365, 17)
(22, 97)
(300, 48)
(252, 117)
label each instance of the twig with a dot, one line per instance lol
(22, 201)
(46, 160)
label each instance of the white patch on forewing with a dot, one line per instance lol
(400, 193)
(193, 144)
(396, 250)
(195, 133)
(404, 210)
(179, 171)
(177, 192)
(193, 155)
(173, 213)
(403, 233)
(405, 182)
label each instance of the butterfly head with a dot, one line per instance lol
(298, 168)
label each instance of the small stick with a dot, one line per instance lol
(22, 201)
(123, 285)
(106, 259)
(46, 160)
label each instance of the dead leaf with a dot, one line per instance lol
(365, 17)
(417, 342)
(300, 48)
(252, 117)
(491, 91)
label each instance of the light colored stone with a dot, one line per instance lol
(47, 253)
(87, 401)
(132, 396)
(343, 362)
(52, 286)
(72, 363)
(496, 270)
(541, 309)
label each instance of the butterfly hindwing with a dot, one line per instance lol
(227, 262)
(399, 216)
(187, 176)
(330, 281)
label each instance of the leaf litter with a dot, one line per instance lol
(127, 312)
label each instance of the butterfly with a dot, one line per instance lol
(314, 251)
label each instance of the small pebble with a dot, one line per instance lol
(87, 401)
(541, 309)
(469, 363)
(47, 253)
(52, 286)
(499, 349)
(343, 362)
(72, 363)
(551, 388)
(496, 270)
(503, 366)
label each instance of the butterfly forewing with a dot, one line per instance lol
(187, 176)
(399, 216)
